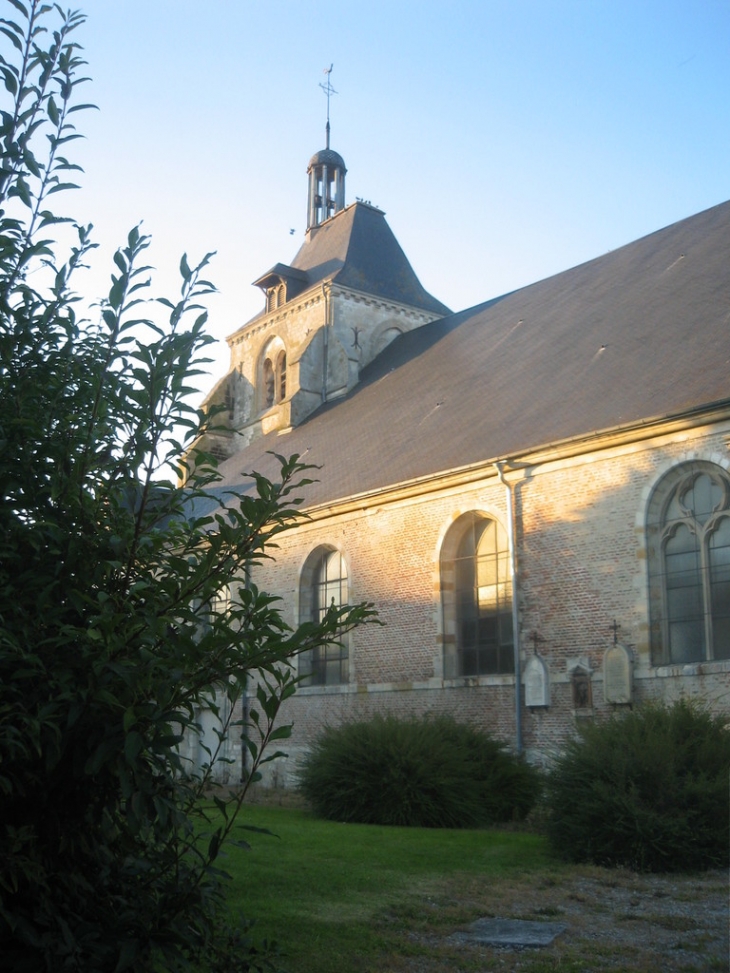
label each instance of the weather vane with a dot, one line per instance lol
(328, 90)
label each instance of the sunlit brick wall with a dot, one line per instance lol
(581, 566)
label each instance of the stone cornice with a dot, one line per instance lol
(314, 296)
(263, 323)
(371, 300)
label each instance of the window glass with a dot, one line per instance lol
(327, 581)
(720, 589)
(482, 599)
(688, 528)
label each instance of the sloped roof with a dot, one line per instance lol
(357, 248)
(638, 334)
(327, 157)
(280, 272)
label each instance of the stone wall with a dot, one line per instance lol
(581, 567)
(359, 327)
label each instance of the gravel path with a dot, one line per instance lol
(616, 921)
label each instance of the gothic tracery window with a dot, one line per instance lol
(688, 528)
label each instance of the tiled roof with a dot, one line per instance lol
(357, 248)
(638, 334)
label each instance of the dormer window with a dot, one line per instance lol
(275, 297)
(281, 284)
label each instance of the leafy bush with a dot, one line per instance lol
(648, 790)
(429, 773)
(109, 571)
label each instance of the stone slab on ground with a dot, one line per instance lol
(510, 932)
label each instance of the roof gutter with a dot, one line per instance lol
(511, 532)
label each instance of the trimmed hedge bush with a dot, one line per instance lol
(429, 773)
(649, 790)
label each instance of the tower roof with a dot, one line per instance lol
(357, 248)
(327, 157)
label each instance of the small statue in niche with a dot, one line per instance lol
(580, 682)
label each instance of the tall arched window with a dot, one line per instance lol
(477, 598)
(273, 374)
(269, 384)
(688, 541)
(323, 584)
(280, 374)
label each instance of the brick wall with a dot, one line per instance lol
(581, 566)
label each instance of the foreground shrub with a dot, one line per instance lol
(428, 773)
(648, 791)
(125, 603)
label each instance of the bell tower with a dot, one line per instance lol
(326, 172)
(348, 292)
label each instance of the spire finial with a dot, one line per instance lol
(328, 90)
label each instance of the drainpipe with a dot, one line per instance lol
(325, 345)
(511, 533)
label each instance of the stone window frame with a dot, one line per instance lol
(659, 531)
(327, 665)
(455, 662)
(272, 374)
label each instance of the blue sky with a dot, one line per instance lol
(506, 140)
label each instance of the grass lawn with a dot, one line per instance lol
(344, 898)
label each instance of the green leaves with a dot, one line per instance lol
(129, 631)
(647, 790)
(429, 772)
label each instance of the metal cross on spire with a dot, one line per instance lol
(328, 90)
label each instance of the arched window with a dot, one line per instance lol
(323, 584)
(269, 384)
(688, 543)
(476, 591)
(275, 297)
(273, 374)
(280, 375)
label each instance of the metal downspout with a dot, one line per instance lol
(515, 613)
(325, 345)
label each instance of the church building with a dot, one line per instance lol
(533, 492)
